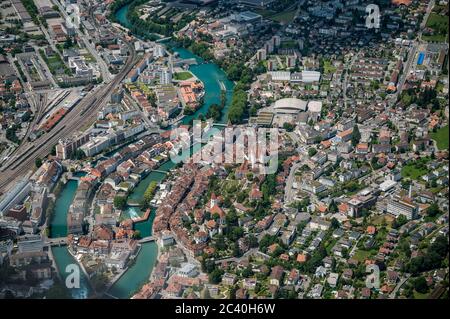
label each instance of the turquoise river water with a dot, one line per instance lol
(214, 80)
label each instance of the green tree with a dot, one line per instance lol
(68, 43)
(288, 127)
(420, 285)
(150, 192)
(333, 207)
(312, 151)
(215, 277)
(231, 218)
(78, 155)
(236, 250)
(208, 265)
(433, 210)
(137, 234)
(356, 135)
(252, 241)
(399, 221)
(334, 223)
(266, 241)
(120, 202)
(38, 162)
(247, 272)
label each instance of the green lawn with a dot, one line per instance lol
(328, 67)
(55, 63)
(436, 20)
(418, 295)
(89, 58)
(434, 38)
(413, 171)
(378, 220)
(361, 255)
(441, 137)
(284, 17)
(181, 76)
(439, 24)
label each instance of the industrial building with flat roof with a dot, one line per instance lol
(289, 106)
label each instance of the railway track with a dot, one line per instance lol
(73, 121)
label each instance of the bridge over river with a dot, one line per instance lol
(147, 239)
(59, 241)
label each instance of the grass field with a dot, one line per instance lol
(418, 295)
(434, 38)
(144, 88)
(328, 67)
(378, 220)
(284, 17)
(89, 58)
(361, 255)
(436, 19)
(181, 76)
(441, 137)
(415, 170)
(55, 63)
(439, 24)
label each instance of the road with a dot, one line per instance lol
(136, 107)
(82, 115)
(237, 259)
(106, 75)
(37, 101)
(346, 76)
(289, 191)
(399, 285)
(412, 53)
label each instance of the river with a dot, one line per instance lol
(59, 222)
(138, 274)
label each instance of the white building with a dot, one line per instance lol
(30, 243)
(15, 196)
(166, 77)
(80, 68)
(261, 54)
(397, 207)
(280, 75)
(310, 76)
(387, 185)
(188, 270)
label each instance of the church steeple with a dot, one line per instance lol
(213, 200)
